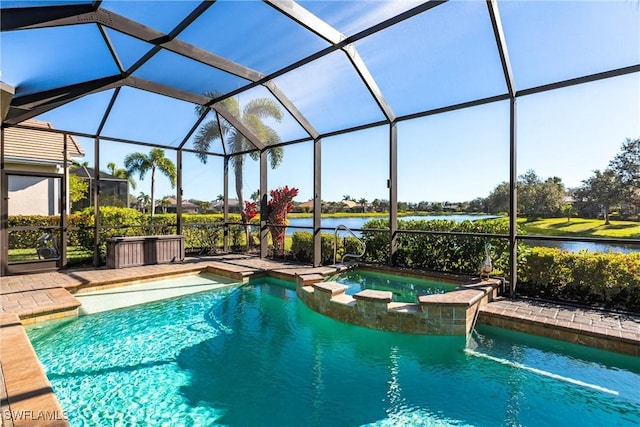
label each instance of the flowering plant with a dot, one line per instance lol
(278, 208)
(249, 212)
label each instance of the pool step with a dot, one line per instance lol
(40, 304)
(451, 313)
(334, 288)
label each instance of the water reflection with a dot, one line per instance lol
(585, 246)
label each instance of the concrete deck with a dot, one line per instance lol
(26, 392)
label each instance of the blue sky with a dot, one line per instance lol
(427, 62)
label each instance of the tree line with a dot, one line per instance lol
(616, 187)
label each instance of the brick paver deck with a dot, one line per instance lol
(596, 328)
(37, 297)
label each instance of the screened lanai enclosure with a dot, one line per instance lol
(398, 106)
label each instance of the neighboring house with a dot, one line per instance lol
(218, 205)
(113, 191)
(350, 205)
(304, 206)
(170, 204)
(36, 159)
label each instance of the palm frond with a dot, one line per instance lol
(137, 163)
(207, 133)
(263, 108)
(167, 167)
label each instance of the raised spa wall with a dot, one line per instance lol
(451, 313)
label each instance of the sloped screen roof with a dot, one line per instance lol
(138, 70)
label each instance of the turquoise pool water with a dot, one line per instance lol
(403, 289)
(256, 356)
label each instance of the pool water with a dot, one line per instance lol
(254, 355)
(134, 294)
(403, 289)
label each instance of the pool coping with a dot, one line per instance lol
(521, 315)
(27, 396)
(451, 313)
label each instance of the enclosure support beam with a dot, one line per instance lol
(316, 25)
(317, 202)
(64, 205)
(179, 192)
(501, 44)
(264, 237)
(245, 131)
(225, 204)
(513, 199)
(96, 202)
(4, 214)
(392, 183)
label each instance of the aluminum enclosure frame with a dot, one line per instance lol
(23, 107)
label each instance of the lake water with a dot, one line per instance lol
(354, 223)
(358, 222)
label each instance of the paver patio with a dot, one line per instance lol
(44, 296)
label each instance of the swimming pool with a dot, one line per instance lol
(403, 289)
(96, 301)
(255, 355)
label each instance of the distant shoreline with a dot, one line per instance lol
(377, 214)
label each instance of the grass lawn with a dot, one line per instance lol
(580, 227)
(75, 255)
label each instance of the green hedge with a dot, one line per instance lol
(302, 247)
(202, 232)
(609, 280)
(439, 252)
(28, 239)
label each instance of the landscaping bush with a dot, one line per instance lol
(201, 231)
(203, 236)
(377, 241)
(28, 239)
(609, 280)
(114, 221)
(439, 252)
(302, 247)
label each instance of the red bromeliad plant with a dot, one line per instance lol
(278, 208)
(248, 213)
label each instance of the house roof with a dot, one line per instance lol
(219, 204)
(35, 146)
(185, 204)
(307, 204)
(90, 173)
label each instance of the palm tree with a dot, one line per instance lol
(363, 203)
(143, 201)
(164, 203)
(122, 174)
(141, 163)
(252, 116)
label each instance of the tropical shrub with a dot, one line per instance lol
(204, 235)
(440, 251)
(28, 239)
(302, 247)
(609, 280)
